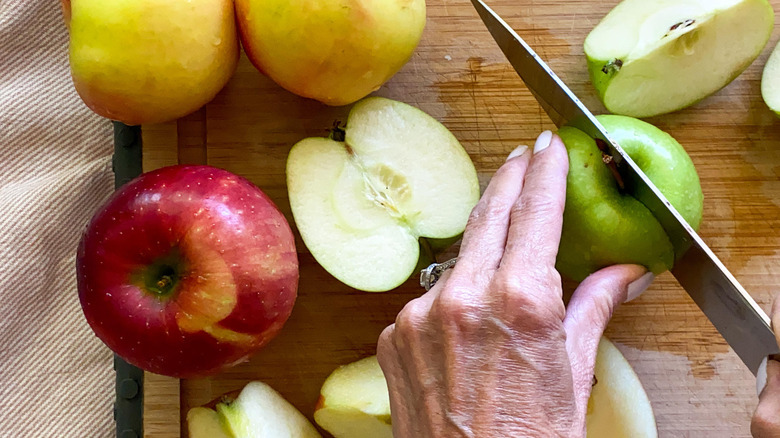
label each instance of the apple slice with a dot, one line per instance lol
(363, 198)
(618, 406)
(650, 57)
(354, 402)
(257, 412)
(206, 423)
(605, 225)
(770, 81)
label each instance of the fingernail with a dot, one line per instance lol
(639, 285)
(520, 150)
(544, 140)
(761, 377)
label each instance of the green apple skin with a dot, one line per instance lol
(601, 225)
(150, 61)
(770, 81)
(661, 70)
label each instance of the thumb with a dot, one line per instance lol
(587, 315)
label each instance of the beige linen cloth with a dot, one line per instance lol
(56, 377)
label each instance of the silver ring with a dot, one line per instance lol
(430, 275)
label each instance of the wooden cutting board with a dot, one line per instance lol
(697, 385)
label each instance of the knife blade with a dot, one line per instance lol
(730, 308)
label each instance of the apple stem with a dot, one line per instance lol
(610, 162)
(338, 132)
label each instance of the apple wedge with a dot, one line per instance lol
(364, 198)
(618, 406)
(355, 403)
(770, 81)
(258, 412)
(650, 57)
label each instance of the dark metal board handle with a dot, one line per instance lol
(129, 403)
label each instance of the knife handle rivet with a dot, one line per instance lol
(127, 433)
(128, 389)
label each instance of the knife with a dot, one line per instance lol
(712, 287)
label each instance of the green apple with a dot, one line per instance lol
(258, 412)
(770, 81)
(355, 402)
(336, 52)
(150, 61)
(604, 225)
(363, 198)
(650, 57)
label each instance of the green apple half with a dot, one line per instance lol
(650, 57)
(363, 198)
(355, 403)
(604, 225)
(770, 81)
(258, 412)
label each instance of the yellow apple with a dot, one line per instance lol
(355, 403)
(150, 61)
(336, 52)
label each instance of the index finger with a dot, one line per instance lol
(537, 216)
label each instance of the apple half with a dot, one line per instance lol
(258, 412)
(355, 402)
(604, 224)
(364, 198)
(770, 81)
(650, 57)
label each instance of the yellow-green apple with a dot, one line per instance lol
(150, 61)
(355, 403)
(604, 224)
(650, 57)
(187, 270)
(770, 81)
(258, 411)
(336, 52)
(363, 198)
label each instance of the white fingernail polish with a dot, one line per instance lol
(520, 150)
(639, 285)
(544, 140)
(761, 376)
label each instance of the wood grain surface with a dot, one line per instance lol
(697, 385)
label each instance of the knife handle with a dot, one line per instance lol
(127, 164)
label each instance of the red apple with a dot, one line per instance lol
(187, 270)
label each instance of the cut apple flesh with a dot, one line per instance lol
(354, 402)
(649, 57)
(770, 82)
(261, 412)
(361, 205)
(618, 406)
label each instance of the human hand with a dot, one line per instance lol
(490, 350)
(766, 419)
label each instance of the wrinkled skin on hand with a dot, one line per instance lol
(491, 350)
(766, 419)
